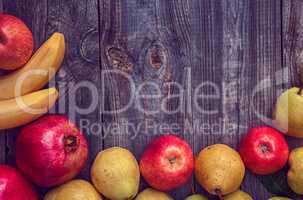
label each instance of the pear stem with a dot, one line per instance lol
(300, 91)
(193, 191)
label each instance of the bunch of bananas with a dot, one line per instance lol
(21, 97)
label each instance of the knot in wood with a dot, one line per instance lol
(120, 59)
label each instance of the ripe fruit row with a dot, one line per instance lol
(52, 151)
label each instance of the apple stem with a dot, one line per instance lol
(173, 160)
(71, 143)
(264, 148)
(300, 91)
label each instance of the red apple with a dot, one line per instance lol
(51, 151)
(167, 163)
(264, 150)
(13, 186)
(16, 42)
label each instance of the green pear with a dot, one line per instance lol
(115, 174)
(295, 173)
(238, 195)
(74, 190)
(279, 198)
(288, 113)
(219, 169)
(196, 197)
(151, 194)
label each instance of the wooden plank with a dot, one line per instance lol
(116, 87)
(262, 61)
(236, 45)
(173, 36)
(154, 39)
(207, 74)
(292, 39)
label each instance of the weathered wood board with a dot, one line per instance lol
(191, 67)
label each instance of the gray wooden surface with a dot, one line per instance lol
(233, 44)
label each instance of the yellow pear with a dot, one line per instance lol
(295, 173)
(219, 169)
(151, 194)
(288, 113)
(238, 195)
(115, 173)
(196, 197)
(279, 198)
(74, 190)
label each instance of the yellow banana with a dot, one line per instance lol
(24, 109)
(37, 72)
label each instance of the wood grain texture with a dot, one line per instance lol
(228, 46)
(161, 55)
(234, 41)
(292, 40)
(259, 71)
(207, 58)
(143, 30)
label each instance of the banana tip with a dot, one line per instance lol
(53, 90)
(58, 36)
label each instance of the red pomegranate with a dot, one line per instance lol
(51, 151)
(13, 186)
